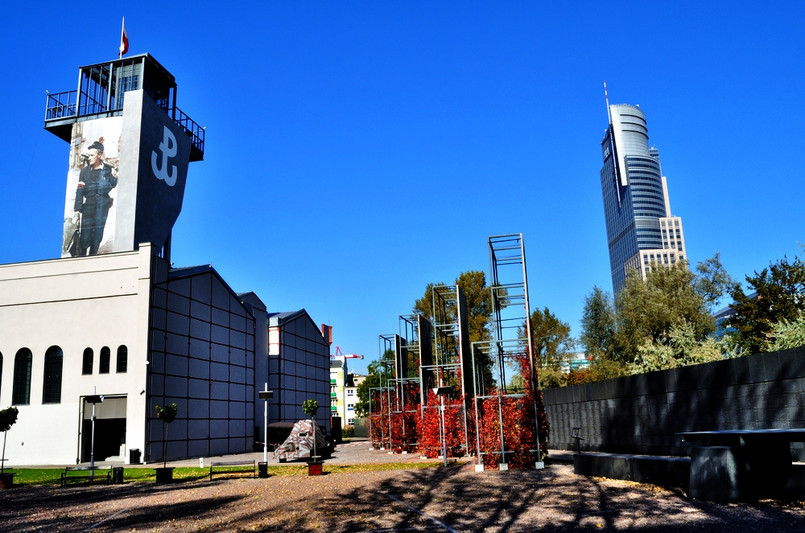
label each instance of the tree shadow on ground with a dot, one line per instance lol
(47, 508)
(453, 498)
(457, 499)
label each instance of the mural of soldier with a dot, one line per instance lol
(92, 201)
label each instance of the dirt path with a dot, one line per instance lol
(456, 499)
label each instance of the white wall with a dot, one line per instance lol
(74, 304)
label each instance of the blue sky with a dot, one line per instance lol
(357, 151)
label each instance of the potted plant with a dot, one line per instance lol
(167, 414)
(7, 419)
(314, 466)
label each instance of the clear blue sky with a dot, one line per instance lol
(358, 150)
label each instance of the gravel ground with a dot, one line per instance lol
(455, 498)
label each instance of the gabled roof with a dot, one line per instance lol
(252, 299)
(182, 272)
(191, 271)
(277, 319)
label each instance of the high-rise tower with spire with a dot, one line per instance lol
(641, 232)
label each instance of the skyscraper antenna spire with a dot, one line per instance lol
(606, 98)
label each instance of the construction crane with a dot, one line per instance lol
(338, 354)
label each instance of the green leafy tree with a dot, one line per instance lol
(479, 311)
(789, 334)
(479, 304)
(778, 295)
(8, 417)
(597, 324)
(660, 322)
(648, 310)
(713, 282)
(167, 414)
(598, 338)
(310, 408)
(682, 349)
(551, 345)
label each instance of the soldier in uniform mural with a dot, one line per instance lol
(92, 200)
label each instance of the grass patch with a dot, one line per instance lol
(52, 476)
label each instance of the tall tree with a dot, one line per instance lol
(598, 325)
(778, 296)
(681, 349)
(713, 282)
(789, 334)
(599, 337)
(648, 310)
(479, 304)
(551, 344)
(479, 310)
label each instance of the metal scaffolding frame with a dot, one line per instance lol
(381, 389)
(511, 334)
(402, 344)
(446, 351)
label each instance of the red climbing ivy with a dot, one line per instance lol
(430, 443)
(416, 428)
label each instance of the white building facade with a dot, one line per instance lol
(111, 318)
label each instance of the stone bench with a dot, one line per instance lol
(742, 464)
(663, 470)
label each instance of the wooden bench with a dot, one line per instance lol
(86, 474)
(233, 467)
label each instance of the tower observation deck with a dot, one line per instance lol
(101, 92)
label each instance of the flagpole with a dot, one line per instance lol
(122, 31)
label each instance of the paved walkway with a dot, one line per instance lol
(355, 452)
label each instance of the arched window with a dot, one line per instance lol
(21, 393)
(122, 359)
(106, 355)
(51, 391)
(89, 360)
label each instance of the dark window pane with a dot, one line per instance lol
(122, 359)
(51, 392)
(21, 393)
(89, 360)
(106, 355)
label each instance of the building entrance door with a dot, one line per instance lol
(110, 430)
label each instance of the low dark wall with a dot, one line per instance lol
(642, 414)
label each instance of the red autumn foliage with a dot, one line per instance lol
(430, 443)
(412, 429)
(402, 420)
(517, 415)
(583, 375)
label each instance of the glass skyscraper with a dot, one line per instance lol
(640, 229)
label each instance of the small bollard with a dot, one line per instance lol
(201, 462)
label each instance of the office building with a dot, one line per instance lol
(641, 231)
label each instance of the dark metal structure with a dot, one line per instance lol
(101, 93)
(511, 335)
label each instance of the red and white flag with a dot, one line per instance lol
(124, 39)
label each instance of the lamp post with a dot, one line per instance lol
(440, 392)
(265, 395)
(93, 399)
